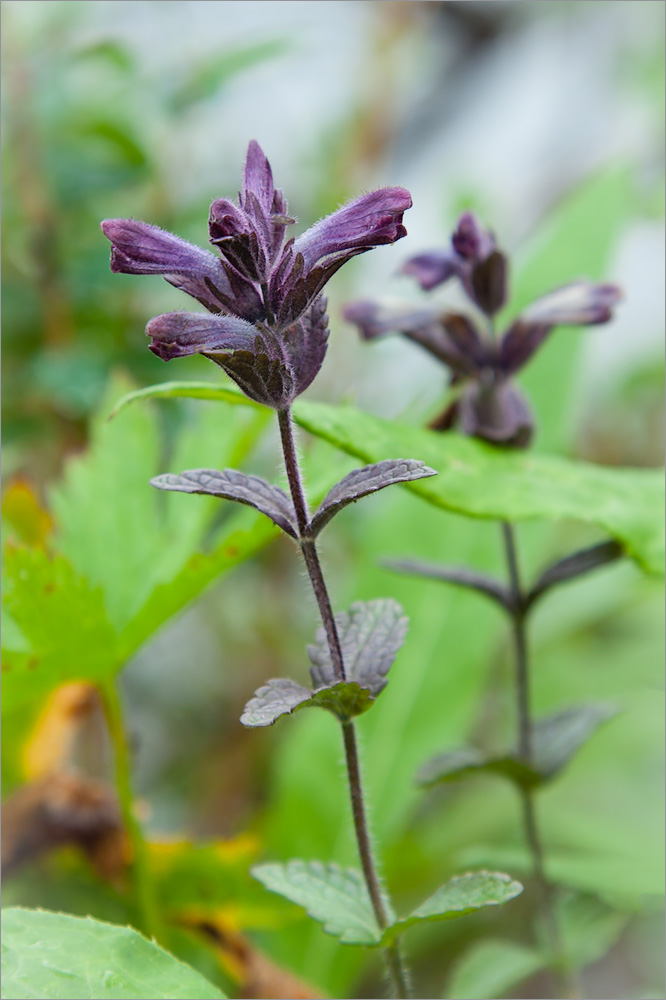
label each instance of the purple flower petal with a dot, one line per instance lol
(139, 248)
(432, 268)
(487, 283)
(369, 221)
(495, 412)
(257, 178)
(582, 303)
(244, 244)
(520, 343)
(175, 335)
(470, 240)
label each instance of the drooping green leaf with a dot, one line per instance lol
(336, 897)
(491, 968)
(57, 956)
(208, 76)
(462, 894)
(482, 481)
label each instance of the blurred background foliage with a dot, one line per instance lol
(547, 118)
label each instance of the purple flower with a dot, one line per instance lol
(489, 405)
(269, 327)
(473, 258)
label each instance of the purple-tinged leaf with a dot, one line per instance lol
(555, 740)
(306, 343)
(574, 566)
(282, 696)
(371, 633)
(460, 576)
(230, 484)
(263, 377)
(362, 482)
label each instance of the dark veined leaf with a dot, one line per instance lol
(555, 740)
(459, 576)
(462, 894)
(362, 482)
(573, 566)
(282, 696)
(336, 897)
(58, 956)
(479, 480)
(231, 484)
(371, 633)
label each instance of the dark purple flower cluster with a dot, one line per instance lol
(268, 327)
(489, 405)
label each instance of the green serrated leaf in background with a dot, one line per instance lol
(57, 956)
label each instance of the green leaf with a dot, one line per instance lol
(62, 624)
(57, 956)
(336, 897)
(208, 76)
(462, 894)
(479, 480)
(482, 481)
(491, 968)
(556, 738)
(282, 696)
(184, 390)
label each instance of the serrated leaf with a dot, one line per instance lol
(77, 958)
(478, 480)
(336, 897)
(557, 737)
(572, 567)
(231, 484)
(283, 696)
(459, 576)
(362, 482)
(489, 969)
(461, 895)
(371, 633)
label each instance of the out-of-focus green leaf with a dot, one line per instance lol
(479, 480)
(462, 894)
(489, 969)
(336, 897)
(556, 739)
(63, 624)
(209, 76)
(57, 956)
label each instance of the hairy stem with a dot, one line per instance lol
(397, 971)
(526, 751)
(142, 882)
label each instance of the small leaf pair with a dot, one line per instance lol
(371, 633)
(555, 740)
(338, 898)
(230, 484)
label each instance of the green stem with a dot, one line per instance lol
(141, 880)
(560, 962)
